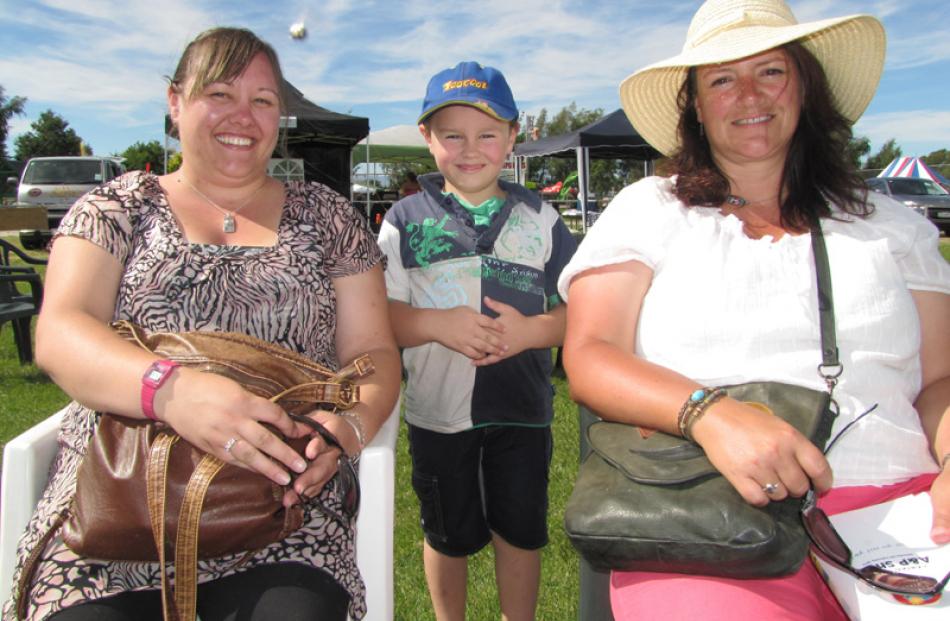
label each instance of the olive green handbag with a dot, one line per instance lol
(658, 504)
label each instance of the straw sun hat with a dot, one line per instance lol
(850, 49)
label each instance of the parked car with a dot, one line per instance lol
(56, 182)
(922, 195)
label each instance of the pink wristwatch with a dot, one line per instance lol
(154, 377)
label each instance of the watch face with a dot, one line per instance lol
(154, 374)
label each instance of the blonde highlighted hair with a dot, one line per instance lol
(220, 55)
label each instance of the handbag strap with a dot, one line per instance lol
(830, 368)
(180, 602)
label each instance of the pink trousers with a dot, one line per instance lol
(638, 596)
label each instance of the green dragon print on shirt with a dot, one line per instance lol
(428, 239)
(521, 239)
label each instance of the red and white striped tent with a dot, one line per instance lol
(912, 167)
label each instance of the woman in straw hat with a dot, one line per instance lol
(706, 278)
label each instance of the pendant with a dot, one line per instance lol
(736, 201)
(229, 225)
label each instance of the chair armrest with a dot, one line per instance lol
(374, 526)
(26, 462)
(6, 247)
(26, 275)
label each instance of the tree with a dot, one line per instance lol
(936, 158)
(858, 147)
(8, 108)
(885, 156)
(939, 160)
(49, 135)
(174, 162)
(142, 153)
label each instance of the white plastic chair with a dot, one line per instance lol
(26, 461)
(375, 524)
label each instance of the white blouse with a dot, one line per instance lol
(724, 308)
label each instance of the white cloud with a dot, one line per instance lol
(16, 126)
(909, 127)
(922, 49)
(111, 56)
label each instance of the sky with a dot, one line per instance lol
(101, 64)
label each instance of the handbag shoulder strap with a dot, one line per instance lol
(830, 368)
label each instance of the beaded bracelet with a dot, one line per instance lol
(694, 408)
(700, 411)
(695, 397)
(356, 423)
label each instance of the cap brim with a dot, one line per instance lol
(480, 104)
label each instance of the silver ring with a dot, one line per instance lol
(770, 488)
(230, 444)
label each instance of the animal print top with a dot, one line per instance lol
(282, 294)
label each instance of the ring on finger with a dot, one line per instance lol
(770, 488)
(230, 444)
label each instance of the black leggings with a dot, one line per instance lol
(285, 591)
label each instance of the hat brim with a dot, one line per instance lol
(479, 104)
(850, 49)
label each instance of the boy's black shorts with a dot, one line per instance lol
(479, 481)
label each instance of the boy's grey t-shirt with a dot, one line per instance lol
(437, 258)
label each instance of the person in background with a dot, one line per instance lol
(472, 264)
(706, 278)
(219, 246)
(409, 186)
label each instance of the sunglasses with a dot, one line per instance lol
(831, 547)
(346, 483)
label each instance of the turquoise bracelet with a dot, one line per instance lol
(694, 408)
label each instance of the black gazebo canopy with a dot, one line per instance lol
(610, 137)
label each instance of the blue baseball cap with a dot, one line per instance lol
(470, 84)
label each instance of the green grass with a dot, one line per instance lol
(26, 394)
(559, 565)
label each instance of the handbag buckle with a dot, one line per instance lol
(830, 373)
(348, 396)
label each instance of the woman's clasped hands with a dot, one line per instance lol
(241, 428)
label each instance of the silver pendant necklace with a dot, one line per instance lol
(229, 225)
(738, 201)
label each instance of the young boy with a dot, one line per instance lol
(471, 277)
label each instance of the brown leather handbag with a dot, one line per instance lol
(144, 493)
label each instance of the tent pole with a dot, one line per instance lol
(369, 198)
(583, 170)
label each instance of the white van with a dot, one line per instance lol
(56, 182)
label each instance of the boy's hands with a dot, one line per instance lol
(470, 333)
(517, 332)
(482, 339)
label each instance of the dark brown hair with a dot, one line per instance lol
(221, 55)
(817, 170)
